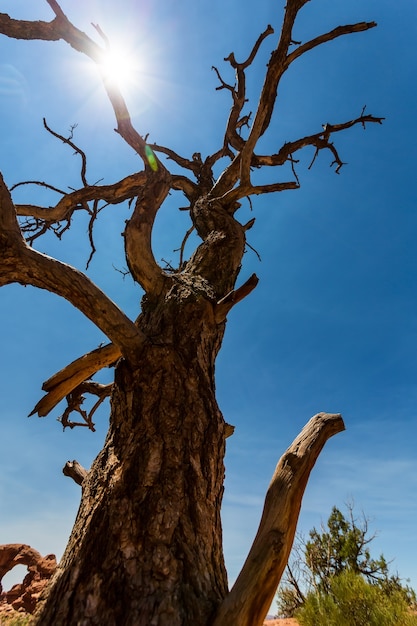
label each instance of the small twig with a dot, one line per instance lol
(125, 272)
(37, 182)
(102, 35)
(68, 140)
(255, 251)
(223, 84)
(181, 248)
(93, 212)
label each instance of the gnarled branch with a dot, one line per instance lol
(249, 599)
(115, 193)
(138, 234)
(281, 58)
(21, 264)
(76, 398)
(320, 141)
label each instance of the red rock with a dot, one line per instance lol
(24, 595)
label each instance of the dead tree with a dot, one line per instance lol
(146, 547)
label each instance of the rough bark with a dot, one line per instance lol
(147, 544)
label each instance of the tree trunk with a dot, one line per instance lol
(146, 547)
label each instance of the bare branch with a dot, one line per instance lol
(232, 136)
(66, 380)
(319, 140)
(21, 264)
(115, 193)
(37, 182)
(279, 63)
(138, 234)
(184, 184)
(62, 28)
(230, 198)
(69, 142)
(181, 248)
(333, 34)
(24, 29)
(250, 598)
(179, 160)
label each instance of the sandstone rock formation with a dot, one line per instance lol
(24, 596)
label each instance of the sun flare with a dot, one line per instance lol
(119, 67)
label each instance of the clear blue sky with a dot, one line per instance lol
(332, 325)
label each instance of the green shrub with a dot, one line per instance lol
(352, 601)
(14, 620)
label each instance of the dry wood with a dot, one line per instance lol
(76, 471)
(250, 598)
(66, 380)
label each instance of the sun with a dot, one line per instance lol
(119, 67)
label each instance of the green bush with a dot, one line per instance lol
(351, 601)
(15, 620)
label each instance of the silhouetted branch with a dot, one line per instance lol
(77, 150)
(333, 34)
(320, 141)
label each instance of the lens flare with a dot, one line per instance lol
(151, 158)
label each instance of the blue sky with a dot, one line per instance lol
(332, 325)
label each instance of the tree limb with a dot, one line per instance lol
(138, 234)
(21, 264)
(347, 29)
(320, 141)
(238, 92)
(280, 60)
(115, 193)
(66, 380)
(249, 599)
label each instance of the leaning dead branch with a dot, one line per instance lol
(251, 596)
